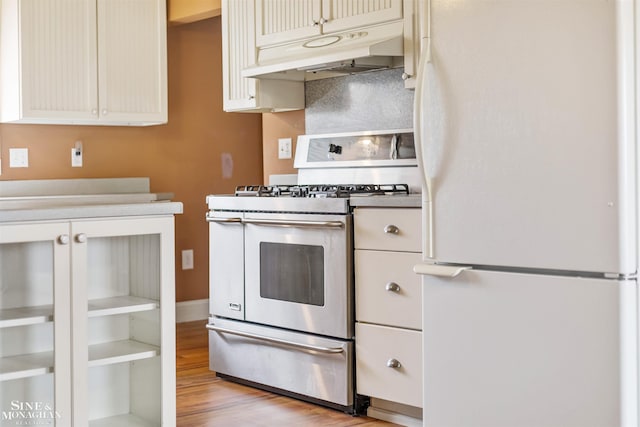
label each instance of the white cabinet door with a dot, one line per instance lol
(124, 321)
(279, 21)
(132, 61)
(35, 342)
(238, 52)
(340, 15)
(48, 63)
(507, 349)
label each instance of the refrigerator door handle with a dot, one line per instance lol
(440, 270)
(425, 57)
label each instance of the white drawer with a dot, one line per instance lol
(388, 292)
(377, 346)
(388, 229)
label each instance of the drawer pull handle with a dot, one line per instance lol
(391, 229)
(392, 287)
(393, 363)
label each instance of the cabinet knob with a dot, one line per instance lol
(94, 111)
(63, 239)
(81, 238)
(316, 23)
(104, 112)
(392, 287)
(391, 229)
(251, 97)
(406, 76)
(323, 21)
(393, 363)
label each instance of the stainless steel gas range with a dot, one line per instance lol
(281, 267)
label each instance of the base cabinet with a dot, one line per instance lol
(87, 321)
(389, 312)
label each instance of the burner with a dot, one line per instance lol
(319, 191)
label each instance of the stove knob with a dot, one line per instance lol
(391, 229)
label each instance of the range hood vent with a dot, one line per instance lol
(366, 49)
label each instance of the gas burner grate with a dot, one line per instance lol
(329, 190)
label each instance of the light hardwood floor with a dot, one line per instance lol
(205, 400)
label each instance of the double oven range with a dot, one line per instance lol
(282, 309)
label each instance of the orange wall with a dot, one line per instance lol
(280, 125)
(182, 157)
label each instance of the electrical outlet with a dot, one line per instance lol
(18, 157)
(187, 259)
(284, 148)
(76, 158)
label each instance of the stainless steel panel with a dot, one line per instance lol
(324, 375)
(226, 265)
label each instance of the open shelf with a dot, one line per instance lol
(120, 305)
(24, 316)
(126, 420)
(26, 365)
(120, 351)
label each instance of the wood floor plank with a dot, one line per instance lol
(205, 400)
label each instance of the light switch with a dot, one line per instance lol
(284, 148)
(18, 157)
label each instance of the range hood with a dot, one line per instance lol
(350, 52)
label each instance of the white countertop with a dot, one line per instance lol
(48, 200)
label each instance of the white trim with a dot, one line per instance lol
(188, 311)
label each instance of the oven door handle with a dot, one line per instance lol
(287, 343)
(224, 220)
(293, 223)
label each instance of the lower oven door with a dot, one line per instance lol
(316, 367)
(298, 272)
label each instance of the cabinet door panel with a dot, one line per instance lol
(35, 349)
(132, 60)
(58, 57)
(345, 14)
(388, 229)
(282, 21)
(377, 300)
(377, 347)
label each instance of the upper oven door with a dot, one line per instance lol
(298, 272)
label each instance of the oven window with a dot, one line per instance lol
(292, 273)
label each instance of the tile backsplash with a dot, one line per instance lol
(368, 101)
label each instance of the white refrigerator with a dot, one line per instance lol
(526, 116)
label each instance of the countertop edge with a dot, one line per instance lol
(91, 211)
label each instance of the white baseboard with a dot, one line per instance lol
(189, 311)
(393, 417)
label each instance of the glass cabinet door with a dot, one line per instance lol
(35, 370)
(123, 290)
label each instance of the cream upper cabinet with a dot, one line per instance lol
(83, 62)
(281, 21)
(239, 51)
